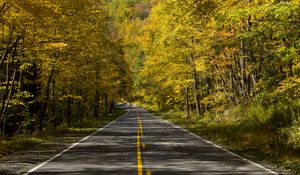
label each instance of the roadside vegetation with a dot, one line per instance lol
(60, 67)
(21, 142)
(266, 134)
(226, 69)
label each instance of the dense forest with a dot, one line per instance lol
(59, 63)
(232, 66)
(212, 55)
(222, 61)
(228, 70)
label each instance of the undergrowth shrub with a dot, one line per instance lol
(256, 114)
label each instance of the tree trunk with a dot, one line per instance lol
(8, 89)
(106, 105)
(187, 102)
(69, 112)
(4, 98)
(96, 105)
(53, 98)
(111, 107)
(9, 48)
(196, 89)
(290, 66)
(83, 108)
(46, 100)
(7, 101)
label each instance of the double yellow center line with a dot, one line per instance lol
(140, 146)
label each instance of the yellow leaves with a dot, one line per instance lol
(71, 97)
(201, 65)
(25, 66)
(289, 87)
(225, 34)
(215, 100)
(175, 44)
(131, 31)
(57, 46)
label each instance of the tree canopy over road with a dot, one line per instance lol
(229, 61)
(59, 63)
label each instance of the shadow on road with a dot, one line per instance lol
(168, 151)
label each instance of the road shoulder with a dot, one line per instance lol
(243, 155)
(23, 161)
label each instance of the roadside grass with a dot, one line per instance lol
(271, 134)
(23, 142)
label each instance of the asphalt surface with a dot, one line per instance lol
(165, 150)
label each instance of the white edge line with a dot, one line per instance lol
(218, 146)
(73, 145)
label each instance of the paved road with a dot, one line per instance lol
(141, 144)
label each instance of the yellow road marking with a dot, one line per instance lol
(140, 146)
(140, 123)
(139, 154)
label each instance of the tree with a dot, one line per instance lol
(57, 57)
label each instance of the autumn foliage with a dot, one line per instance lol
(59, 63)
